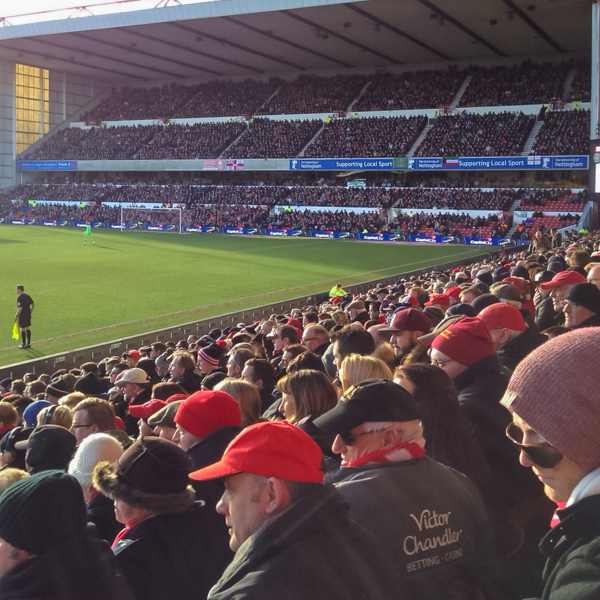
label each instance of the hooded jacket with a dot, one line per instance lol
(311, 551)
(512, 352)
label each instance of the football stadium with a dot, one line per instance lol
(330, 267)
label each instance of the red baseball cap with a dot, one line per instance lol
(516, 281)
(564, 278)
(466, 341)
(205, 412)
(146, 410)
(408, 319)
(439, 300)
(133, 353)
(454, 292)
(502, 315)
(272, 449)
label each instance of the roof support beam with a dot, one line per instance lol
(399, 32)
(340, 37)
(462, 27)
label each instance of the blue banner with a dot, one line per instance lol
(285, 232)
(242, 230)
(160, 227)
(337, 235)
(50, 223)
(21, 221)
(93, 224)
(483, 163)
(337, 164)
(46, 165)
(113, 225)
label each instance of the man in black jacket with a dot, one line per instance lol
(553, 396)
(512, 339)
(291, 534)
(430, 518)
(582, 306)
(181, 369)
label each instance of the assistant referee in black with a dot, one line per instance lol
(25, 306)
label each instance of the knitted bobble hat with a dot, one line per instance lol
(41, 512)
(95, 448)
(555, 391)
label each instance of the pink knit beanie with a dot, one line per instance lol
(555, 391)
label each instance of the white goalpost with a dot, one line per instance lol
(135, 211)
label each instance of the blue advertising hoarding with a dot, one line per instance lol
(484, 163)
(52, 223)
(46, 165)
(340, 164)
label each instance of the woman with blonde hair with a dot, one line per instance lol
(357, 368)
(306, 395)
(246, 395)
(340, 317)
(55, 415)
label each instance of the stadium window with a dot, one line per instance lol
(32, 105)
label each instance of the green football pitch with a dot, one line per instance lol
(134, 282)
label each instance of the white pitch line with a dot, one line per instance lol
(188, 310)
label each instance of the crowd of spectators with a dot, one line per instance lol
(457, 198)
(200, 461)
(454, 224)
(266, 138)
(338, 220)
(581, 86)
(96, 143)
(366, 137)
(314, 94)
(410, 90)
(527, 83)
(563, 132)
(228, 98)
(535, 198)
(201, 140)
(490, 134)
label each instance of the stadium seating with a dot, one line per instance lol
(564, 132)
(555, 200)
(374, 136)
(490, 134)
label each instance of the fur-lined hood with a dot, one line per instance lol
(107, 479)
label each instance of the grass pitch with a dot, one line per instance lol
(134, 282)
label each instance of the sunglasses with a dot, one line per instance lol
(349, 438)
(543, 455)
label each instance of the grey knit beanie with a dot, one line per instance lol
(555, 391)
(41, 512)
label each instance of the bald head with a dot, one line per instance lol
(593, 276)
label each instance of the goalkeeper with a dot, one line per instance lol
(87, 234)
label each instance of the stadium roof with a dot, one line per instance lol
(252, 37)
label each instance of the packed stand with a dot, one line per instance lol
(456, 198)
(313, 94)
(201, 140)
(96, 143)
(411, 90)
(265, 138)
(490, 134)
(197, 455)
(553, 199)
(228, 98)
(528, 83)
(581, 86)
(366, 137)
(129, 104)
(354, 222)
(563, 132)
(451, 224)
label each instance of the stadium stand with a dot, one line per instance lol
(528, 83)
(490, 134)
(371, 136)
(563, 132)
(581, 86)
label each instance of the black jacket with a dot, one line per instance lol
(480, 389)
(514, 351)
(591, 322)
(310, 552)
(572, 551)
(175, 557)
(189, 381)
(431, 519)
(80, 569)
(545, 314)
(101, 512)
(131, 423)
(206, 452)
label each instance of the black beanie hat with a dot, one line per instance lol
(41, 512)
(484, 301)
(58, 388)
(50, 447)
(585, 294)
(89, 385)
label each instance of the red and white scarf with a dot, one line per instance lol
(398, 453)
